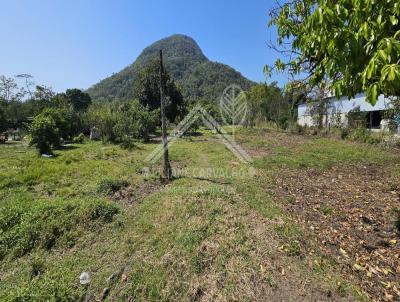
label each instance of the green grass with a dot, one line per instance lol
(56, 219)
(44, 225)
(323, 153)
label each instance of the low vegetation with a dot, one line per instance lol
(44, 226)
(208, 237)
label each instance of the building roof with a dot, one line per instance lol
(344, 105)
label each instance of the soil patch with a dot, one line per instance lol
(131, 194)
(350, 214)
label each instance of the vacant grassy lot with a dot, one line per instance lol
(225, 236)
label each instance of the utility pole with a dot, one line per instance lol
(167, 166)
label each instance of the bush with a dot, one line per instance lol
(45, 226)
(103, 117)
(363, 135)
(315, 131)
(135, 121)
(37, 267)
(295, 128)
(63, 118)
(128, 144)
(344, 133)
(79, 139)
(108, 186)
(44, 133)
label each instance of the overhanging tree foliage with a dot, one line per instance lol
(354, 44)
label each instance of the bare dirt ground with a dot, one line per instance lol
(349, 213)
(131, 194)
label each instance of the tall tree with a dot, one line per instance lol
(147, 91)
(78, 99)
(355, 45)
(266, 103)
(43, 98)
(9, 90)
(28, 83)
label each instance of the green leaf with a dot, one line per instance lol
(382, 54)
(392, 73)
(320, 15)
(338, 91)
(372, 94)
(394, 20)
(384, 73)
(370, 69)
(379, 20)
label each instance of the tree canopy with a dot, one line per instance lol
(352, 44)
(147, 91)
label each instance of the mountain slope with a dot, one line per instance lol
(196, 76)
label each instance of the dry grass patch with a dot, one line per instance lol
(350, 213)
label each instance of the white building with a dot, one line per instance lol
(339, 109)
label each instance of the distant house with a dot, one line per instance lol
(339, 110)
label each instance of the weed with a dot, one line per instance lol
(326, 210)
(79, 139)
(108, 186)
(44, 226)
(37, 267)
(344, 133)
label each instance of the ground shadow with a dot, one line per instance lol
(214, 181)
(66, 147)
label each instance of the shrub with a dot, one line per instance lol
(37, 267)
(128, 144)
(393, 126)
(64, 118)
(295, 128)
(79, 139)
(123, 122)
(315, 131)
(359, 134)
(103, 117)
(108, 186)
(44, 133)
(135, 121)
(344, 133)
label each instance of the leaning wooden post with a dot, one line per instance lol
(167, 166)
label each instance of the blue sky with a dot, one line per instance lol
(74, 44)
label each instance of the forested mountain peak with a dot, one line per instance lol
(196, 76)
